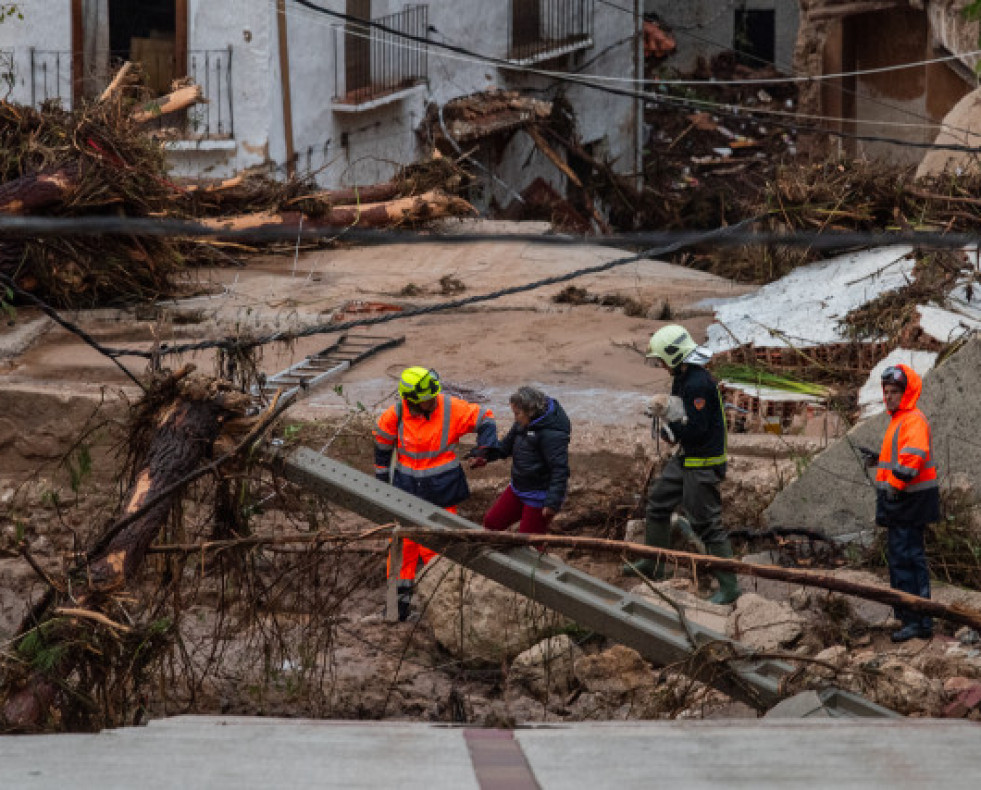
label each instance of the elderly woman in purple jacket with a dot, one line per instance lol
(538, 445)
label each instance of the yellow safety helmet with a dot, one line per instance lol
(672, 345)
(419, 384)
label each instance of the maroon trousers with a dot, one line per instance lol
(508, 510)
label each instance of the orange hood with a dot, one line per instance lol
(914, 386)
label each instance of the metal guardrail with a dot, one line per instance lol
(542, 29)
(51, 80)
(658, 634)
(370, 63)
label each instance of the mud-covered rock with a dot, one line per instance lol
(763, 624)
(477, 620)
(547, 668)
(902, 688)
(619, 670)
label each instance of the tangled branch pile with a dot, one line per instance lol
(102, 159)
(93, 161)
(848, 195)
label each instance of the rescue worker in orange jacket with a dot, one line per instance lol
(415, 450)
(907, 494)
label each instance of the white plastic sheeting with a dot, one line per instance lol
(805, 308)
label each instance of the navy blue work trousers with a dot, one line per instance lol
(908, 569)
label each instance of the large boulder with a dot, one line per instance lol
(479, 621)
(548, 667)
(834, 493)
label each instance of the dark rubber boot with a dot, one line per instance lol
(404, 589)
(658, 535)
(728, 586)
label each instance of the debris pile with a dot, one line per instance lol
(94, 161)
(107, 159)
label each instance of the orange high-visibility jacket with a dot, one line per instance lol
(906, 457)
(425, 446)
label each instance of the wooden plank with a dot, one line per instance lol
(284, 76)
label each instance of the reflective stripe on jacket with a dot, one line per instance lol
(425, 447)
(703, 436)
(906, 457)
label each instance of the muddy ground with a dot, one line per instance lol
(297, 632)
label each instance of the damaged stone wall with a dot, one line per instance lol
(844, 36)
(835, 495)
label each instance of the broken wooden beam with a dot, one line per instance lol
(117, 82)
(180, 99)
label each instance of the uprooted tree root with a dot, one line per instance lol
(185, 414)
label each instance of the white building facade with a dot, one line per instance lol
(291, 86)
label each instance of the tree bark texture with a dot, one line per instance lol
(428, 206)
(37, 190)
(180, 99)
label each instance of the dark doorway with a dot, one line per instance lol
(755, 36)
(357, 51)
(526, 27)
(145, 31)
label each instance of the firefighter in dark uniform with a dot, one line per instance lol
(692, 416)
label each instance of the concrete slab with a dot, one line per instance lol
(244, 753)
(710, 755)
(216, 753)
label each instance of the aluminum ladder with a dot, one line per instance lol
(345, 352)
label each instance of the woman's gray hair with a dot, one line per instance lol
(531, 401)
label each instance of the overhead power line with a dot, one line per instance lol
(41, 227)
(323, 329)
(670, 243)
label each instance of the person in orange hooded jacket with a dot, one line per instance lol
(907, 494)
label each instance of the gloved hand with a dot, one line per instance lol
(893, 494)
(668, 407)
(382, 477)
(668, 435)
(477, 461)
(870, 456)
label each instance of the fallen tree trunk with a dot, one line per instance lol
(372, 193)
(180, 99)
(184, 433)
(37, 190)
(186, 418)
(429, 206)
(953, 613)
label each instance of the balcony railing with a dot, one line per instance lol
(539, 30)
(8, 76)
(51, 78)
(372, 64)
